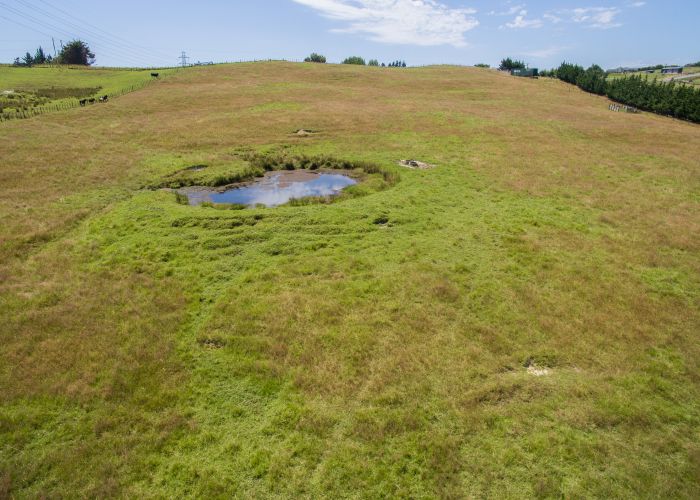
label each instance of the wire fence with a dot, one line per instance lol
(71, 103)
(66, 104)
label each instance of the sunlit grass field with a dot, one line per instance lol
(62, 85)
(520, 321)
(658, 76)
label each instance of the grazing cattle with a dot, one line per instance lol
(83, 102)
(91, 100)
(155, 75)
(104, 98)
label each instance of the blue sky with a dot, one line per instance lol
(130, 32)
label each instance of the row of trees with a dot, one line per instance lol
(677, 100)
(672, 99)
(318, 58)
(74, 52)
(28, 60)
(373, 62)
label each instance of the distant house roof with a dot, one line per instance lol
(623, 70)
(525, 72)
(672, 69)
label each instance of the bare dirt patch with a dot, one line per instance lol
(538, 371)
(305, 132)
(416, 165)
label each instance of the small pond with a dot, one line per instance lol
(274, 189)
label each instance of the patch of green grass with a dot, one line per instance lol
(62, 85)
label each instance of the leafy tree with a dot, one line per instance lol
(355, 60)
(570, 73)
(316, 58)
(373, 62)
(509, 64)
(28, 60)
(76, 52)
(592, 80)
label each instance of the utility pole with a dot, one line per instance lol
(183, 59)
(54, 46)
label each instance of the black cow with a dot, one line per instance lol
(155, 75)
(104, 98)
(91, 100)
(83, 102)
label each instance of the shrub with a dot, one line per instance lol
(316, 58)
(355, 60)
(481, 65)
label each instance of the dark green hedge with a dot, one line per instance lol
(671, 99)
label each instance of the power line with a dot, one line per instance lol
(115, 37)
(25, 26)
(133, 57)
(139, 60)
(33, 19)
(118, 45)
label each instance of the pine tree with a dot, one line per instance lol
(39, 56)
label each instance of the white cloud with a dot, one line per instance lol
(521, 22)
(552, 18)
(596, 17)
(545, 53)
(638, 4)
(513, 10)
(411, 22)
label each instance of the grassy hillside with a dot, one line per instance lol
(41, 86)
(520, 321)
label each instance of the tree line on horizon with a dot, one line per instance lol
(75, 52)
(671, 99)
(356, 60)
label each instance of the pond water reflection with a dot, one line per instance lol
(274, 189)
